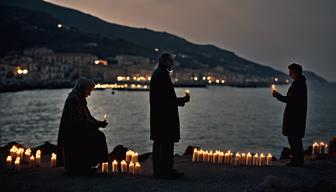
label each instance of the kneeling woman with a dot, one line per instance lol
(80, 145)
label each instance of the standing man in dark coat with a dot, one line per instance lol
(294, 119)
(164, 118)
(80, 145)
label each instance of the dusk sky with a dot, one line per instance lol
(273, 33)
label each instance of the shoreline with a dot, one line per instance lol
(316, 175)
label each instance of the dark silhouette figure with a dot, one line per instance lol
(164, 118)
(80, 145)
(294, 119)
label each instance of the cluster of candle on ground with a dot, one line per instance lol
(228, 158)
(22, 156)
(130, 165)
(319, 149)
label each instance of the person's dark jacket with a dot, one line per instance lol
(294, 119)
(164, 117)
(78, 137)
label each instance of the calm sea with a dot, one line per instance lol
(243, 119)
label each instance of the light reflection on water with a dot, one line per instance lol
(245, 119)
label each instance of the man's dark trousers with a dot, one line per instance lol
(163, 157)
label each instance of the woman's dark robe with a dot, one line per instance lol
(80, 144)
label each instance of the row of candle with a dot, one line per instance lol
(131, 168)
(319, 148)
(228, 158)
(131, 156)
(25, 156)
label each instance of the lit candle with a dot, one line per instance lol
(27, 155)
(248, 159)
(135, 157)
(115, 166)
(129, 154)
(194, 157)
(53, 160)
(226, 158)
(38, 160)
(187, 93)
(322, 148)
(18, 153)
(255, 159)
(315, 150)
(105, 117)
(17, 164)
(21, 154)
(230, 158)
(273, 87)
(131, 168)
(199, 155)
(210, 157)
(9, 161)
(123, 166)
(221, 158)
(215, 157)
(237, 159)
(243, 159)
(105, 167)
(32, 161)
(269, 160)
(326, 148)
(137, 168)
(13, 151)
(262, 160)
(205, 156)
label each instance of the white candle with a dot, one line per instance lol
(210, 157)
(226, 158)
(9, 161)
(205, 156)
(215, 158)
(249, 159)
(315, 150)
(194, 157)
(237, 159)
(187, 93)
(137, 168)
(262, 160)
(230, 158)
(105, 167)
(115, 166)
(105, 117)
(53, 160)
(273, 87)
(269, 160)
(38, 160)
(199, 155)
(131, 168)
(32, 161)
(13, 151)
(17, 164)
(255, 159)
(326, 149)
(322, 148)
(123, 166)
(27, 155)
(135, 157)
(221, 158)
(243, 159)
(129, 154)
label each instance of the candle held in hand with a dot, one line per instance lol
(187, 93)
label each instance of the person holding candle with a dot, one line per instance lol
(294, 119)
(81, 145)
(164, 118)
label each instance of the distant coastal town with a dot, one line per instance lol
(45, 68)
